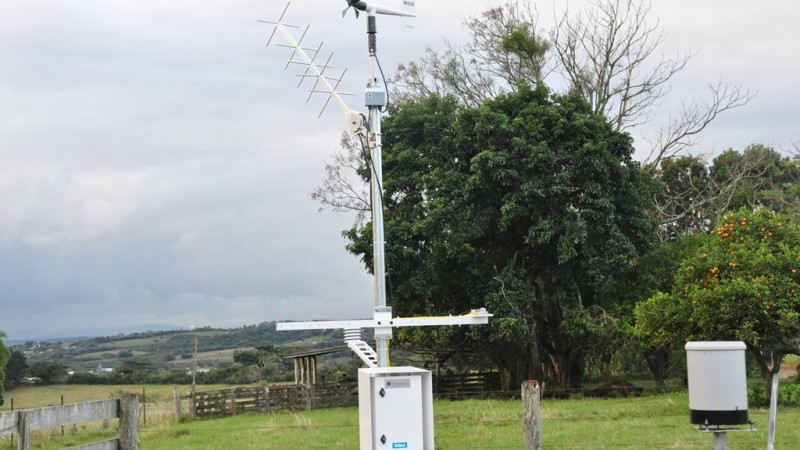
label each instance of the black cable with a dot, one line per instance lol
(385, 85)
(378, 183)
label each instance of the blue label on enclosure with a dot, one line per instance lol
(399, 444)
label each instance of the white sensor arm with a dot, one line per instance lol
(474, 317)
(385, 10)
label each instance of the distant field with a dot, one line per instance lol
(38, 396)
(175, 349)
(652, 422)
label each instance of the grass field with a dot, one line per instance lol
(651, 422)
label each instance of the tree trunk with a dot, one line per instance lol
(658, 363)
(764, 368)
(568, 365)
(534, 362)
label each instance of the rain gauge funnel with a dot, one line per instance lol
(717, 383)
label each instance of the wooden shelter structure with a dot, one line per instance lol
(305, 363)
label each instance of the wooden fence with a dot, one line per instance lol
(24, 422)
(228, 402)
(467, 385)
(298, 397)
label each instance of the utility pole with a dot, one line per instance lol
(194, 363)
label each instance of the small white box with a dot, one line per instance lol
(375, 97)
(395, 407)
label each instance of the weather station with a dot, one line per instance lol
(395, 403)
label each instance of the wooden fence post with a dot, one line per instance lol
(176, 397)
(192, 408)
(128, 422)
(144, 406)
(24, 430)
(309, 390)
(532, 416)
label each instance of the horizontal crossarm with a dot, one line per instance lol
(474, 317)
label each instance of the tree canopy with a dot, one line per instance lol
(743, 284)
(15, 370)
(48, 372)
(526, 200)
(524, 204)
(5, 354)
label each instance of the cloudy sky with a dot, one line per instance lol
(156, 160)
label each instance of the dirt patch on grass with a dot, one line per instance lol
(788, 370)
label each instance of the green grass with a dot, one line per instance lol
(652, 422)
(660, 421)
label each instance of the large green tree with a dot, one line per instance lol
(743, 284)
(523, 205)
(648, 275)
(15, 370)
(5, 354)
(49, 372)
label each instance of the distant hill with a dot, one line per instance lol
(38, 336)
(174, 349)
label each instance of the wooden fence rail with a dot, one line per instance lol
(24, 422)
(299, 397)
(229, 402)
(467, 385)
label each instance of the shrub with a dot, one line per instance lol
(788, 395)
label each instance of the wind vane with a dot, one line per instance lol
(404, 418)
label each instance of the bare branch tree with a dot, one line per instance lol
(505, 50)
(685, 127)
(452, 72)
(697, 200)
(606, 53)
(340, 190)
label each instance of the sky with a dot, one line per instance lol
(156, 160)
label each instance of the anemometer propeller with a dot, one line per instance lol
(356, 5)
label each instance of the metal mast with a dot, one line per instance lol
(375, 99)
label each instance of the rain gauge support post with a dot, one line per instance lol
(395, 403)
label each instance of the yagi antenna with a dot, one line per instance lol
(323, 83)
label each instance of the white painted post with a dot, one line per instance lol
(773, 412)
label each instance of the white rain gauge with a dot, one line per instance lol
(395, 403)
(717, 379)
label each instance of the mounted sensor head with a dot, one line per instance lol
(408, 9)
(407, 12)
